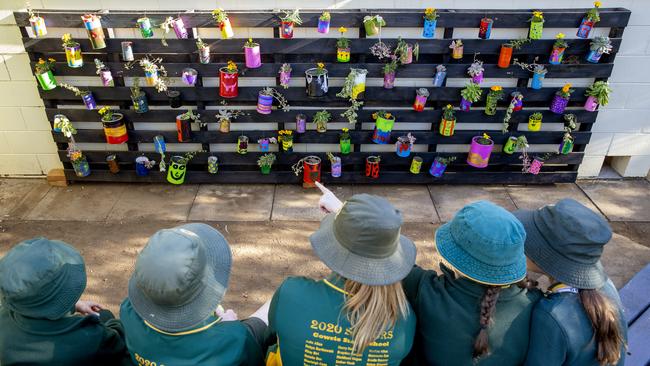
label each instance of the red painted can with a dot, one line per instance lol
(115, 130)
(311, 171)
(228, 83)
(372, 167)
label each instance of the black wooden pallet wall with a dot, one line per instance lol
(303, 53)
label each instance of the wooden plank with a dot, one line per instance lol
(308, 46)
(566, 18)
(427, 116)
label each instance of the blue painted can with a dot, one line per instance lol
(429, 30)
(594, 57)
(439, 79)
(538, 81)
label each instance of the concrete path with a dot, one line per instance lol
(268, 226)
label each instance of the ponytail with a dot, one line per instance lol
(605, 322)
(488, 306)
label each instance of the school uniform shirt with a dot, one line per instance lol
(561, 333)
(311, 327)
(448, 312)
(214, 342)
(71, 340)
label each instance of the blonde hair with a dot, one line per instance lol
(604, 318)
(373, 310)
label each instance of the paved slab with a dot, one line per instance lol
(448, 199)
(533, 197)
(413, 201)
(627, 200)
(292, 202)
(231, 202)
(152, 201)
(623, 258)
(83, 202)
(14, 191)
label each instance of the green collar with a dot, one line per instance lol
(336, 282)
(47, 326)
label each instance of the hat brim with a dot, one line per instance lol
(475, 270)
(368, 271)
(215, 280)
(538, 250)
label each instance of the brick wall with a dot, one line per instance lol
(622, 130)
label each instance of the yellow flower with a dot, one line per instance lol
(496, 88)
(375, 115)
(51, 59)
(231, 66)
(388, 115)
(566, 87)
(559, 36)
(449, 106)
(486, 136)
(217, 11)
(250, 40)
(346, 129)
(538, 14)
(342, 30)
(597, 4)
(66, 37)
(103, 110)
(429, 11)
(41, 61)
(320, 65)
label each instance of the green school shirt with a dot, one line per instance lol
(448, 320)
(214, 342)
(68, 341)
(561, 333)
(307, 318)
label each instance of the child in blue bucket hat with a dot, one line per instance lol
(473, 313)
(42, 320)
(580, 319)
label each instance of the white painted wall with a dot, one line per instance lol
(622, 130)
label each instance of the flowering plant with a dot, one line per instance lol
(231, 67)
(272, 140)
(593, 14)
(99, 66)
(342, 42)
(566, 91)
(448, 113)
(560, 42)
(430, 14)
(106, 112)
(62, 123)
(250, 43)
(200, 44)
(68, 41)
(77, 92)
(484, 140)
(325, 16)
(456, 44)
(266, 160)
(537, 17)
(43, 66)
(322, 116)
(152, 65)
(345, 134)
(496, 92)
(219, 16)
(382, 114)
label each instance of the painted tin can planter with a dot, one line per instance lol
(317, 82)
(359, 86)
(457, 52)
(242, 145)
(287, 143)
(479, 154)
(301, 123)
(485, 28)
(559, 104)
(228, 83)
(383, 128)
(343, 54)
(311, 166)
(403, 147)
(285, 78)
(510, 146)
(389, 80)
(519, 104)
(189, 76)
(204, 55)
(38, 26)
(437, 169)
(142, 165)
(73, 55)
(536, 30)
(337, 167)
(447, 127)
(286, 30)
(439, 78)
(145, 27)
(345, 145)
(491, 105)
(174, 97)
(81, 167)
(89, 101)
(421, 96)
(213, 164)
(416, 165)
(95, 32)
(253, 57)
(557, 55)
(372, 166)
(264, 103)
(177, 170)
(323, 26)
(264, 144)
(566, 146)
(224, 125)
(127, 51)
(140, 104)
(265, 169)
(534, 124)
(226, 29)
(478, 78)
(113, 166)
(505, 55)
(407, 58)
(183, 129)
(429, 30)
(115, 130)
(465, 105)
(585, 28)
(594, 56)
(107, 77)
(179, 28)
(535, 166)
(538, 80)
(591, 104)
(46, 80)
(372, 27)
(151, 77)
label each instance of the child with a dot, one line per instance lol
(41, 282)
(359, 314)
(579, 322)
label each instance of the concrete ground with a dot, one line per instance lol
(268, 226)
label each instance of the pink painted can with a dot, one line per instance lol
(253, 57)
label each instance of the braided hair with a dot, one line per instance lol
(488, 307)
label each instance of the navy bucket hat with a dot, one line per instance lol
(485, 243)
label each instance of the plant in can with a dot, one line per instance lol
(36, 22)
(288, 21)
(86, 95)
(285, 75)
(225, 116)
(138, 97)
(589, 21)
(324, 22)
(494, 95)
(475, 71)
(265, 162)
(430, 22)
(561, 99)
(204, 51)
(448, 123)
(44, 73)
(557, 54)
(342, 46)
(252, 54)
(536, 25)
(597, 95)
(472, 93)
(515, 105)
(599, 46)
(456, 47)
(72, 51)
(373, 24)
(104, 73)
(405, 52)
(223, 22)
(320, 119)
(345, 141)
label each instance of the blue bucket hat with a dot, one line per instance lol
(485, 243)
(42, 278)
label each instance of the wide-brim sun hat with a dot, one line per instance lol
(566, 241)
(181, 277)
(41, 278)
(363, 243)
(485, 243)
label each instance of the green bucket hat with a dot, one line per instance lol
(566, 241)
(362, 242)
(42, 278)
(485, 243)
(180, 277)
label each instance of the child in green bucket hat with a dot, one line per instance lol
(580, 319)
(42, 320)
(473, 312)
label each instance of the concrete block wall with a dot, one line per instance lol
(622, 129)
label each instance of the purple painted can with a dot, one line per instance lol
(89, 101)
(285, 78)
(264, 145)
(323, 26)
(535, 166)
(389, 80)
(179, 28)
(264, 103)
(107, 77)
(479, 154)
(559, 104)
(465, 105)
(253, 57)
(189, 76)
(337, 167)
(301, 123)
(591, 104)
(477, 79)
(437, 169)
